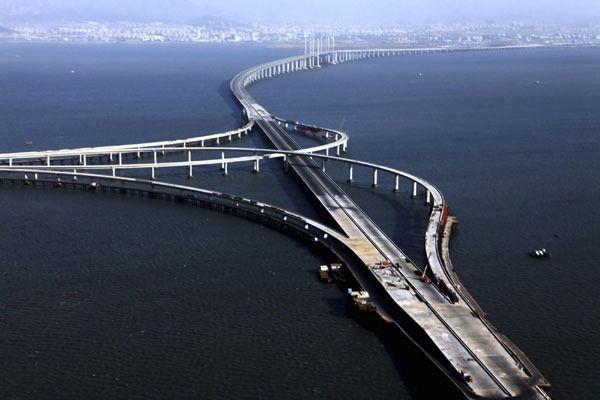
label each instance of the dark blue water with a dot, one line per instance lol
(105, 296)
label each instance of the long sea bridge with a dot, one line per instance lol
(428, 304)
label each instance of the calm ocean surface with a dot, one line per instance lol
(105, 296)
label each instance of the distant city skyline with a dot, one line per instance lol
(333, 12)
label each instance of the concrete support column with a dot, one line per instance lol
(153, 173)
(222, 160)
(154, 155)
(350, 172)
(84, 160)
(375, 178)
(218, 141)
(114, 171)
(323, 162)
(110, 157)
(74, 174)
(337, 151)
(10, 162)
(428, 197)
(414, 189)
(397, 184)
(190, 172)
(257, 165)
(120, 158)
(225, 169)
(48, 160)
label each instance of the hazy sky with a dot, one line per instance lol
(310, 11)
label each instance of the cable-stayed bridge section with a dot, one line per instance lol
(436, 313)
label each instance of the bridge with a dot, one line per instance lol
(427, 304)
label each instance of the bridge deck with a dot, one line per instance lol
(463, 338)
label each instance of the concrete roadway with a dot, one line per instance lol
(465, 341)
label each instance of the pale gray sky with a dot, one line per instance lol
(310, 11)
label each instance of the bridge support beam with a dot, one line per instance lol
(375, 177)
(223, 160)
(225, 169)
(397, 184)
(190, 171)
(152, 173)
(350, 172)
(257, 165)
(428, 197)
(414, 190)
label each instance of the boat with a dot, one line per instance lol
(540, 253)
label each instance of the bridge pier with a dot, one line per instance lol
(375, 177)
(114, 171)
(257, 165)
(428, 197)
(120, 158)
(223, 160)
(152, 173)
(414, 190)
(225, 173)
(286, 164)
(350, 172)
(397, 184)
